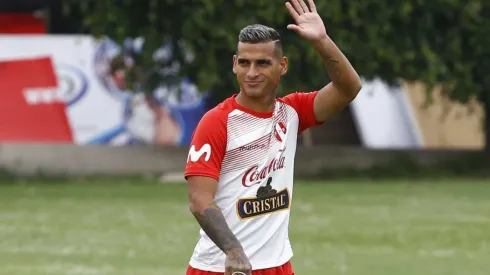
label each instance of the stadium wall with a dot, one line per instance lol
(101, 160)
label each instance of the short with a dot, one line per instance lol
(285, 269)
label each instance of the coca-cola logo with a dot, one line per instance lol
(255, 176)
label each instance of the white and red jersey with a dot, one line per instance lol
(251, 155)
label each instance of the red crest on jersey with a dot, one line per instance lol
(280, 131)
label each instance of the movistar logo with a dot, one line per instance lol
(196, 155)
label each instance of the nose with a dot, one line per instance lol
(252, 71)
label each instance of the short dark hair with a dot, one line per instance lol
(258, 33)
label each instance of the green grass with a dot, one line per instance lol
(116, 228)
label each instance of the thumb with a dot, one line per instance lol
(295, 28)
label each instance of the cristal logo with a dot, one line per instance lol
(255, 176)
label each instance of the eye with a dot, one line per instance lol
(243, 61)
(263, 62)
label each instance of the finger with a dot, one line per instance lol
(304, 6)
(298, 7)
(292, 11)
(312, 6)
(243, 269)
(241, 272)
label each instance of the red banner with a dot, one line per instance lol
(30, 107)
(21, 23)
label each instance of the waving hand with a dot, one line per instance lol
(309, 24)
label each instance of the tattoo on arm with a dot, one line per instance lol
(333, 68)
(215, 226)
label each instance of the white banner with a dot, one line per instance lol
(384, 117)
(100, 110)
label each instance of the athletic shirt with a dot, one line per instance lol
(251, 155)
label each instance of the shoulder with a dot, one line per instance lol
(297, 98)
(303, 105)
(301, 102)
(218, 115)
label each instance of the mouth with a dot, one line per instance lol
(253, 83)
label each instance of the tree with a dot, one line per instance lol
(439, 42)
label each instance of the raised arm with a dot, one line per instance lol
(345, 82)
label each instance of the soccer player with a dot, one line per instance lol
(241, 160)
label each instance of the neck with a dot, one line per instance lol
(261, 105)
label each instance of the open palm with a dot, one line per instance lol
(309, 24)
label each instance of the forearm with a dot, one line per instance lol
(212, 221)
(339, 69)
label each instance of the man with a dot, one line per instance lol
(251, 137)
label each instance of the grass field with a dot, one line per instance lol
(141, 227)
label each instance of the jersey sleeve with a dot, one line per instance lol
(303, 104)
(208, 146)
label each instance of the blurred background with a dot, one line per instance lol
(99, 100)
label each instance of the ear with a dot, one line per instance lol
(234, 63)
(284, 65)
